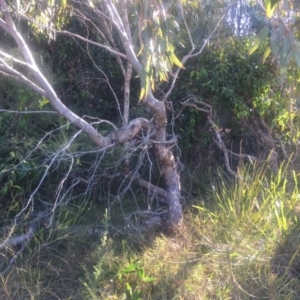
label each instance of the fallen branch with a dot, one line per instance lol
(42, 219)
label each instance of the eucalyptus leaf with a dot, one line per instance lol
(266, 53)
(270, 6)
(274, 42)
(261, 36)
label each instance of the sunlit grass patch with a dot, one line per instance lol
(240, 240)
(241, 235)
(234, 245)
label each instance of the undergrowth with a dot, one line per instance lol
(241, 242)
(238, 241)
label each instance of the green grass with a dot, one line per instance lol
(234, 245)
(238, 241)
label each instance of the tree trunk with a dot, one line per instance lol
(166, 160)
(165, 157)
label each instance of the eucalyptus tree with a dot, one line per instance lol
(146, 33)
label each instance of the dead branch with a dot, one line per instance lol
(193, 102)
(40, 219)
(166, 160)
(191, 53)
(8, 71)
(152, 188)
(25, 112)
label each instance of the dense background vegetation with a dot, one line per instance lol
(239, 236)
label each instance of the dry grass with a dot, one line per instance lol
(241, 242)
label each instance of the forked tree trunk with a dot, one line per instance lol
(165, 157)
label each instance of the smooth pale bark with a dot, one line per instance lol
(10, 27)
(128, 69)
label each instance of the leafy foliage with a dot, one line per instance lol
(283, 43)
(237, 85)
(155, 32)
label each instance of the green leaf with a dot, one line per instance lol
(162, 46)
(285, 56)
(136, 295)
(128, 291)
(174, 60)
(91, 4)
(270, 6)
(63, 3)
(43, 102)
(148, 279)
(133, 267)
(144, 84)
(4, 190)
(13, 177)
(23, 170)
(142, 93)
(266, 53)
(281, 28)
(17, 187)
(261, 36)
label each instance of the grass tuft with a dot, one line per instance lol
(240, 243)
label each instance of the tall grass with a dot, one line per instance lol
(234, 245)
(239, 240)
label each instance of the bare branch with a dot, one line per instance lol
(208, 110)
(77, 36)
(28, 111)
(116, 19)
(108, 31)
(190, 54)
(23, 240)
(4, 25)
(45, 85)
(247, 156)
(152, 188)
(128, 132)
(107, 81)
(15, 60)
(8, 71)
